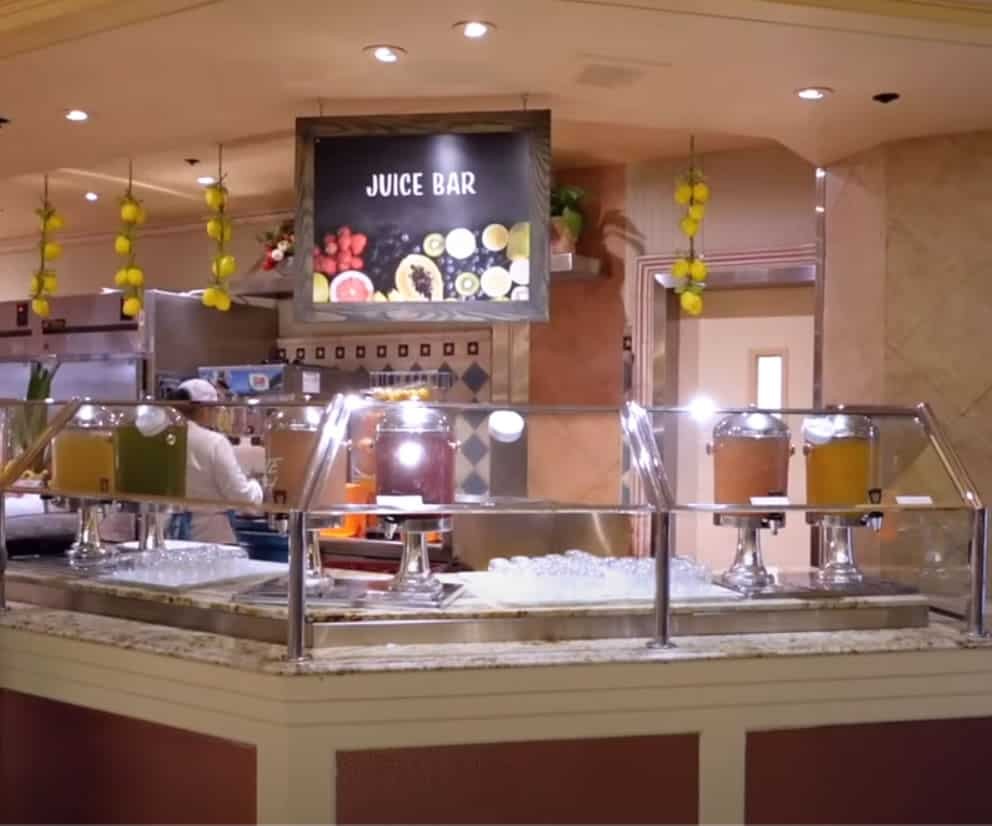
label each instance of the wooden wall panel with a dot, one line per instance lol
(612, 780)
(61, 763)
(931, 771)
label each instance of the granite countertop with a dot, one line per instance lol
(246, 655)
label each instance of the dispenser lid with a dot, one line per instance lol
(93, 417)
(753, 425)
(413, 417)
(819, 430)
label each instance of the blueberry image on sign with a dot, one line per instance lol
(407, 218)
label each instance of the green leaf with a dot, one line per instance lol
(572, 219)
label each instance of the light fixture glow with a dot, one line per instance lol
(385, 54)
(77, 115)
(91, 197)
(814, 92)
(474, 29)
(821, 172)
(702, 408)
(820, 208)
(206, 180)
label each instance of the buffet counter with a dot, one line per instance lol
(118, 711)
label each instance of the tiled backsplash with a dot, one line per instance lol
(466, 355)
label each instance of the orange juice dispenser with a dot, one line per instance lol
(841, 477)
(750, 453)
(83, 469)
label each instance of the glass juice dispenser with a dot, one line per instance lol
(415, 466)
(150, 460)
(841, 460)
(83, 469)
(750, 467)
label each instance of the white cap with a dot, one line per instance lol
(200, 390)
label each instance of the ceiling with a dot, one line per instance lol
(627, 80)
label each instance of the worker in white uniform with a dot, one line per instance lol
(212, 470)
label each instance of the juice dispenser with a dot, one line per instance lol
(83, 468)
(415, 466)
(841, 456)
(750, 465)
(150, 460)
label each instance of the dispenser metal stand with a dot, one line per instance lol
(748, 573)
(838, 562)
(88, 549)
(151, 528)
(414, 577)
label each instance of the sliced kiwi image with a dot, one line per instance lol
(467, 284)
(434, 245)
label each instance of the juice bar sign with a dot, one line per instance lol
(424, 217)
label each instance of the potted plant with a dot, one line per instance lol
(566, 217)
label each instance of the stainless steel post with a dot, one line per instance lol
(296, 642)
(3, 551)
(660, 539)
(979, 573)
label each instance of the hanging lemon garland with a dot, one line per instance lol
(689, 269)
(217, 294)
(130, 278)
(44, 282)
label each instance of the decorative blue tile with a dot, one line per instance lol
(475, 377)
(474, 418)
(474, 449)
(474, 485)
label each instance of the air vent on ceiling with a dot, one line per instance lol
(608, 76)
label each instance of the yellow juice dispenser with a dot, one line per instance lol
(83, 470)
(750, 466)
(841, 477)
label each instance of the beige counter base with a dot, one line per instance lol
(298, 717)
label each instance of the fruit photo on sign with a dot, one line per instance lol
(387, 264)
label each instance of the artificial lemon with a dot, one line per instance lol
(122, 245)
(142, 215)
(135, 277)
(683, 193)
(228, 232)
(216, 197)
(210, 295)
(130, 212)
(223, 301)
(52, 250)
(698, 270)
(215, 228)
(700, 193)
(226, 265)
(680, 269)
(49, 282)
(41, 307)
(120, 278)
(691, 303)
(35, 284)
(696, 212)
(53, 223)
(132, 306)
(689, 227)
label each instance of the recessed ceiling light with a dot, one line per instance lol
(77, 115)
(814, 92)
(206, 180)
(821, 172)
(91, 197)
(474, 29)
(386, 54)
(820, 208)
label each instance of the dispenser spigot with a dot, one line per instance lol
(873, 519)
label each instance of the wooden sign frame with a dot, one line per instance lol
(536, 125)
